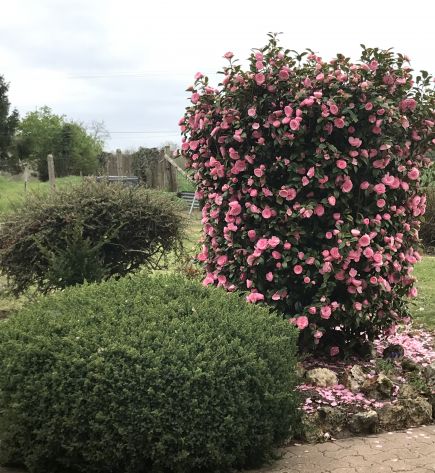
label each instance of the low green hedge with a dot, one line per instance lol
(144, 374)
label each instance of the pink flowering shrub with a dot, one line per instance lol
(308, 174)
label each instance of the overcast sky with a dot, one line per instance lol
(128, 62)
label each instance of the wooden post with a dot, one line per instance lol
(177, 167)
(118, 162)
(51, 175)
(26, 177)
(172, 177)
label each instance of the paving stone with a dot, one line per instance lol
(410, 451)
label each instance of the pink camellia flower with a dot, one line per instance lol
(294, 124)
(297, 269)
(260, 78)
(379, 188)
(222, 260)
(312, 310)
(195, 97)
(302, 322)
(252, 111)
(356, 142)
(209, 279)
(357, 306)
(254, 297)
(319, 210)
(368, 252)
(235, 208)
(364, 240)
(333, 109)
(291, 194)
(288, 111)
(266, 213)
(283, 74)
(381, 203)
(331, 200)
(199, 75)
(228, 55)
(325, 312)
(413, 174)
(334, 351)
(269, 276)
(341, 164)
(347, 186)
(262, 244)
(251, 234)
(274, 242)
(339, 122)
(258, 172)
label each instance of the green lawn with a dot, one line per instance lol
(424, 308)
(12, 189)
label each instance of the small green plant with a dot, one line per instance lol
(385, 366)
(145, 374)
(416, 380)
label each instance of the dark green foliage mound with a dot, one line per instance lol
(144, 374)
(87, 233)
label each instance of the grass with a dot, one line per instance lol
(12, 190)
(424, 307)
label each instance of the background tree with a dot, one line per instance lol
(8, 124)
(75, 150)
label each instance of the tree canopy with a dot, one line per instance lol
(8, 124)
(42, 132)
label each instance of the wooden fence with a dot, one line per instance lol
(155, 169)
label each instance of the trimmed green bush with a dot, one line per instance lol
(88, 232)
(144, 374)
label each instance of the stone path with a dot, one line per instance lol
(411, 451)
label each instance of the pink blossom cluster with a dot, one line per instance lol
(308, 177)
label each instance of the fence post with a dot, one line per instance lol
(172, 176)
(26, 177)
(51, 175)
(119, 162)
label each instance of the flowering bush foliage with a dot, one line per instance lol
(308, 173)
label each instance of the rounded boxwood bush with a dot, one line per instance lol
(88, 232)
(144, 374)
